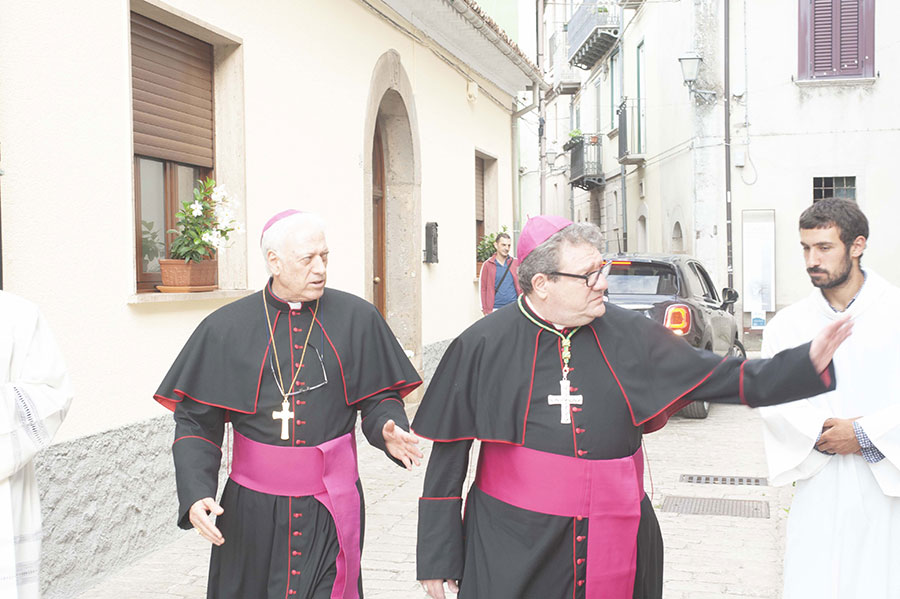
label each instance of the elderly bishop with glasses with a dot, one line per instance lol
(290, 367)
(557, 509)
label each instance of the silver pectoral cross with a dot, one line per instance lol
(564, 400)
(284, 415)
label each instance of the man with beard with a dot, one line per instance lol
(841, 448)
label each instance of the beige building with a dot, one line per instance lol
(394, 119)
(810, 116)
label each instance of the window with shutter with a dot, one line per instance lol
(172, 107)
(836, 39)
(479, 198)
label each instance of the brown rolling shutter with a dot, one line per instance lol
(479, 189)
(172, 87)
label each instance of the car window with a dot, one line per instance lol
(705, 287)
(694, 283)
(642, 278)
(704, 276)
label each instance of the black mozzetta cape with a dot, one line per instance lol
(227, 372)
(492, 385)
(485, 384)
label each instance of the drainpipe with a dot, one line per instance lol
(542, 111)
(624, 192)
(516, 179)
(728, 237)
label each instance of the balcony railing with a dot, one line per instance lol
(632, 132)
(593, 31)
(585, 161)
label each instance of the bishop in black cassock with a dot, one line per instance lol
(560, 388)
(290, 367)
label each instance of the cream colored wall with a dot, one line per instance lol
(799, 132)
(65, 126)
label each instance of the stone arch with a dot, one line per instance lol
(391, 106)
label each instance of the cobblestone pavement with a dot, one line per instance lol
(721, 557)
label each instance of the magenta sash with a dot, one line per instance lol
(328, 472)
(607, 492)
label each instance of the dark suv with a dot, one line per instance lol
(677, 292)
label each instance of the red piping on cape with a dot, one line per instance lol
(170, 403)
(196, 437)
(537, 340)
(667, 410)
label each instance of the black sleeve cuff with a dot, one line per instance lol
(439, 548)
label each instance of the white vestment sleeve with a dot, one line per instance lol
(883, 429)
(34, 399)
(790, 431)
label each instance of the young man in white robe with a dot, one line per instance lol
(843, 447)
(35, 397)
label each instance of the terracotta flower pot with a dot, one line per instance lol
(177, 273)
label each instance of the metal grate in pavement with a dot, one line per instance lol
(713, 506)
(714, 479)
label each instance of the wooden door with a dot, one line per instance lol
(378, 223)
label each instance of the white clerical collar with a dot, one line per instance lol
(295, 305)
(558, 327)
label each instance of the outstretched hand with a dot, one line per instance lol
(199, 516)
(401, 444)
(822, 349)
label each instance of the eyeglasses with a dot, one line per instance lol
(590, 279)
(314, 378)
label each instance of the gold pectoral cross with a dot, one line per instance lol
(284, 415)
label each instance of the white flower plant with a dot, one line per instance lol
(204, 224)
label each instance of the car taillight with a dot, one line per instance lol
(678, 319)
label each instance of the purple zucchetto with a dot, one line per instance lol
(281, 215)
(537, 230)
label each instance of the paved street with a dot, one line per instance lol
(721, 557)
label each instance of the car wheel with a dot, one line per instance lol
(696, 409)
(737, 350)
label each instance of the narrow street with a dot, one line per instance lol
(707, 556)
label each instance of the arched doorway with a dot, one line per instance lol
(393, 207)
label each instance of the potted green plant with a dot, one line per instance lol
(202, 227)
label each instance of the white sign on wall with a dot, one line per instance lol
(759, 260)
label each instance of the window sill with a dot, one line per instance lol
(162, 298)
(836, 82)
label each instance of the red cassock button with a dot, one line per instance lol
(579, 561)
(295, 572)
(297, 533)
(576, 409)
(579, 430)
(579, 538)
(296, 553)
(297, 514)
(296, 330)
(579, 518)
(581, 583)
(581, 452)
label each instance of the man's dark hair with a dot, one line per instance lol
(840, 213)
(500, 235)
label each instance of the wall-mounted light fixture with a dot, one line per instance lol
(690, 68)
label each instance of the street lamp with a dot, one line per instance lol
(690, 68)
